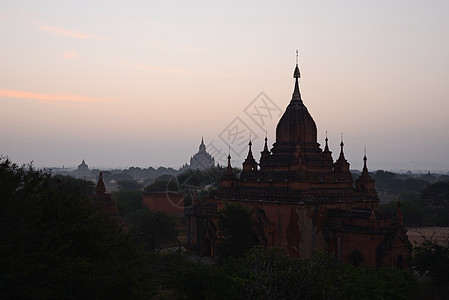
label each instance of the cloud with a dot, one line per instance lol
(47, 98)
(70, 55)
(65, 32)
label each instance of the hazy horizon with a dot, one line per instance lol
(138, 83)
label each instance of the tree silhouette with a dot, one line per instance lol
(236, 231)
(54, 245)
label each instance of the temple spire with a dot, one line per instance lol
(365, 182)
(365, 173)
(100, 188)
(326, 147)
(326, 152)
(265, 147)
(250, 143)
(365, 168)
(202, 147)
(296, 74)
(342, 155)
(250, 163)
(342, 165)
(229, 179)
(265, 152)
(229, 159)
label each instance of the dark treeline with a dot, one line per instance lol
(133, 178)
(270, 274)
(55, 245)
(394, 184)
(424, 199)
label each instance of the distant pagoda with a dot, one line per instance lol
(201, 160)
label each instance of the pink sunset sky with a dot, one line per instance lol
(138, 83)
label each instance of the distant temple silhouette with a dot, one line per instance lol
(83, 170)
(201, 160)
(103, 201)
(301, 200)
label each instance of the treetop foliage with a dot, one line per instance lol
(428, 208)
(270, 274)
(55, 245)
(236, 231)
(431, 261)
(155, 228)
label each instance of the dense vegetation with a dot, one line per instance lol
(151, 229)
(204, 179)
(430, 207)
(431, 261)
(389, 183)
(270, 274)
(54, 245)
(237, 234)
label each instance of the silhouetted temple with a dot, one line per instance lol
(83, 170)
(201, 160)
(103, 201)
(302, 200)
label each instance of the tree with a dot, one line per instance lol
(431, 208)
(197, 178)
(195, 280)
(431, 260)
(129, 203)
(155, 228)
(436, 201)
(163, 186)
(236, 231)
(397, 186)
(412, 208)
(429, 177)
(382, 179)
(55, 245)
(121, 176)
(437, 195)
(270, 274)
(364, 282)
(70, 185)
(129, 185)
